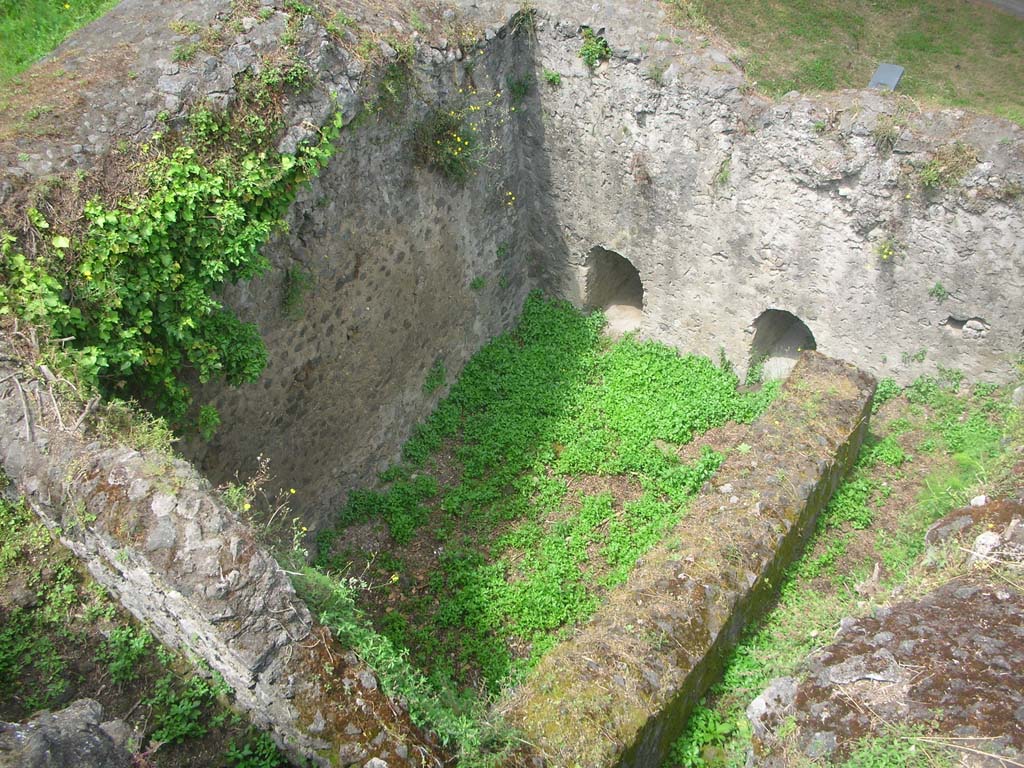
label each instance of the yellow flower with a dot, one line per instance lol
(291, 490)
(246, 507)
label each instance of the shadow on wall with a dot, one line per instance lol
(614, 286)
(779, 338)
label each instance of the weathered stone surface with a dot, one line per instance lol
(771, 708)
(953, 660)
(149, 528)
(619, 691)
(69, 737)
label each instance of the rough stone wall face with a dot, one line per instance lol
(729, 205)
(392, 251)
(618, 692)
(149, 529)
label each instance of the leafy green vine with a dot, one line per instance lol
(138, 290)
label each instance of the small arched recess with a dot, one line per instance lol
(779, 338)
(613, 285)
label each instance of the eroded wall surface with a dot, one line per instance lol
(406, 270)
(730, 205)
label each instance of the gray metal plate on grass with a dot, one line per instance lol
(887, 76)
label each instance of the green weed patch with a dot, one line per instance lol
(534, 487)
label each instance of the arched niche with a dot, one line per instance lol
(779, 338)
(613, 285)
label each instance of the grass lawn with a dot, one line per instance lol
(956, 53)
(29, 29)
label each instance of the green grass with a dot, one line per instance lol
(522, 554)
(956, 53)
(29, 29)
(965, 430)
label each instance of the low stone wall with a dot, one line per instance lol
(619, 692)
(151, 530)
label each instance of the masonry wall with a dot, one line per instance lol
(406, 270)
(729, 205)
(149, 529)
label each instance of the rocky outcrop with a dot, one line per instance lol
(74, 736)
(949, 663)
(619, 692)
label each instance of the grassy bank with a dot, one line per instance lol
(29, 29)
(956, 53)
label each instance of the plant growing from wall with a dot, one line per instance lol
(518, 88)
(595, 48)
(724, 172)
(435, 377)
(938, 292)
(296, 284)
(949, 164)
(137, 291)
(888, 248)
(552, 78)
(444, 141)
(208, 421)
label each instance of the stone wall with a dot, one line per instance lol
(149, 529)
(619, 691)
(730, 205)
(391, 252)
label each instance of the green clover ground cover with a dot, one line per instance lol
(520, 557)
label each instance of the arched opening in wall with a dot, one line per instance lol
(613, 284)
(779, 338)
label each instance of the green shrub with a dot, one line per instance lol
(181, 710)
(887, 389)
(257, 752)
(122, 652)
(139, 292)
(208, 421)
(595, 48)
(518, 88)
